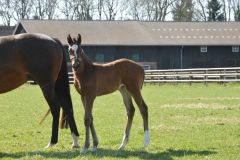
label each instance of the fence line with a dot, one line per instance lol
(201, 75)
(198, 75)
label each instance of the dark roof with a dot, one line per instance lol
(138, 32)
(6, 30)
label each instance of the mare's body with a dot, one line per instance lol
(42, 59)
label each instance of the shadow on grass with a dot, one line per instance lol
(101, 153)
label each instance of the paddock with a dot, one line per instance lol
(186, 122)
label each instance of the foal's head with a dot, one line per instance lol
(75, 51)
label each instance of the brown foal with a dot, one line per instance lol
(92, 80)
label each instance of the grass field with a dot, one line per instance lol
(186, 122)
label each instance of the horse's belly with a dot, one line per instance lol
(11, 80)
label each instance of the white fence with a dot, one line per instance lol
(201, 75)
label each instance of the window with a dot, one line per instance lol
(235, 49)
(135, 57)
(203, 49)
(99, 58)
(146, 66)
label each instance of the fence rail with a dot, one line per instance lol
(200, 75)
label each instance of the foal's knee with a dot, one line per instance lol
(131, 111)
(87, 121)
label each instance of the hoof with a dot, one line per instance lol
(121, 147)
(146, 144)
(94, 149)
(84, 151)
(49, 145)
(146, 139)
(124, 142)
(75, 146)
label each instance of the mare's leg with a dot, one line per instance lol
(130, 113)
(93, 131)
(135, 92)
(71, 121)
(51, 98)
(88, 105)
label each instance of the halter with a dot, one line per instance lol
(76, 65)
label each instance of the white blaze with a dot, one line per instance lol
(75, 48)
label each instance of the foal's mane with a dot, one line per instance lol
(85, 58)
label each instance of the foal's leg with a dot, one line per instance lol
(144, 113)
(88, 104)
(50, 96)
(130, 113)
(94, 135)
(93, 131)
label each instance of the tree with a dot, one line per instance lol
(51, 6)
(22, 9)
(135, 9)
(200, 13)
(6, 12)
(100, 8)
(182, 10)
(67, 9)
(111, 9)
(45, 8)
(85, 10)
(157, 10)
(214, 11)
(235, 6)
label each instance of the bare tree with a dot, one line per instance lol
(227, 11)
(135, 9)
(67, 9)
(51, 6)
(39, 6)
(200, 13)
(6, 12)
(235, 6)
(111, 9)
(82, 10)
(157, 10)
(22, 8)
(148, 7)
(100, 8)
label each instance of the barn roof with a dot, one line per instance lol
(137, 32)
(6, 30)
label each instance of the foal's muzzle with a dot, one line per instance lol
(76, 65)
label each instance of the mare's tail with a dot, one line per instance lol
(63, 90)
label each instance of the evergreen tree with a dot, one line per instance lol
(183, 10)
(214, 11)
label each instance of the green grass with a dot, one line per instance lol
(186, 122)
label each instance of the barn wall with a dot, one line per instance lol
(169, 57)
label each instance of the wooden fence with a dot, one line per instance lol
(202, 75)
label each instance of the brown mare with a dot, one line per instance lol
(42, 59)
(92, 80)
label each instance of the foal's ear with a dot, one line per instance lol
(69, 39)
(79, 39)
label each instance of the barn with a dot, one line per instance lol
(6, 30)
(155, 45)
